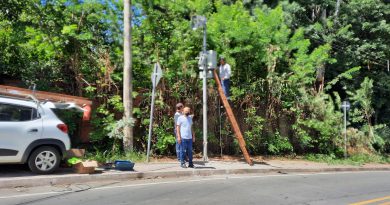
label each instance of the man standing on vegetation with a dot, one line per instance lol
(179, 112)
(185, 137)
(224, 73)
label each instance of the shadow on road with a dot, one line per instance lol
(22, 170)
(257, 162)
(202, 164)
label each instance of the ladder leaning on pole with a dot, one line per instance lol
(233, 121)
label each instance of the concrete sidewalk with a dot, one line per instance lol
(15, 178)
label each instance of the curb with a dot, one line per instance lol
(81, 178)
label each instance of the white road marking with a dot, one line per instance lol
(184, 181)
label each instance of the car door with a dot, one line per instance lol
(19, 126)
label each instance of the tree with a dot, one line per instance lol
(127, 77)
(362, 102)
(279, 50)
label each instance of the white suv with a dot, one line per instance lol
(31, 133)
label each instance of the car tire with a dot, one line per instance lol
(44, 160)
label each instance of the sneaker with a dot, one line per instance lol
(183, 166)
(191, 166)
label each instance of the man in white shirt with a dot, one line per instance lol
(185, 137)
(224, 74)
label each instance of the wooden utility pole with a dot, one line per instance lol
(233, 121)
(127, 77)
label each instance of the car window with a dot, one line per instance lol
(15, 113)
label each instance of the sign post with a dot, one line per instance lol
(346, 106)
(156, 76)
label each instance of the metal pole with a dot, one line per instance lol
(205, 71)
(345, 131)
(151, 116)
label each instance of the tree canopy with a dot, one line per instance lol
(293, 62)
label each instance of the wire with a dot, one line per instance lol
(339, 48)
(220, 127)
(368, 54)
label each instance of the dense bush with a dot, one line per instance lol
(293, 63)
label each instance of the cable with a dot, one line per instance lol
(339, 48)
(368, 54)
(220, 126)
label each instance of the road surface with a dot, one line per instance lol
(357, 188)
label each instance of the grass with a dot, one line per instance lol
(357, 159)
(109, 157)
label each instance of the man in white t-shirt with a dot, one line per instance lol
(224, 74)
(185, 137)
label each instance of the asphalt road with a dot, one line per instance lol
(327, 188)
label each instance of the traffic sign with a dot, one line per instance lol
(156, 74)
(346, 105)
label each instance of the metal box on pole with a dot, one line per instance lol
(211, 59)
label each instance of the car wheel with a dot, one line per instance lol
(44, 160)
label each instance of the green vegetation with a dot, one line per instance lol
(108, 157)
(293, 63)
(357, 159)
